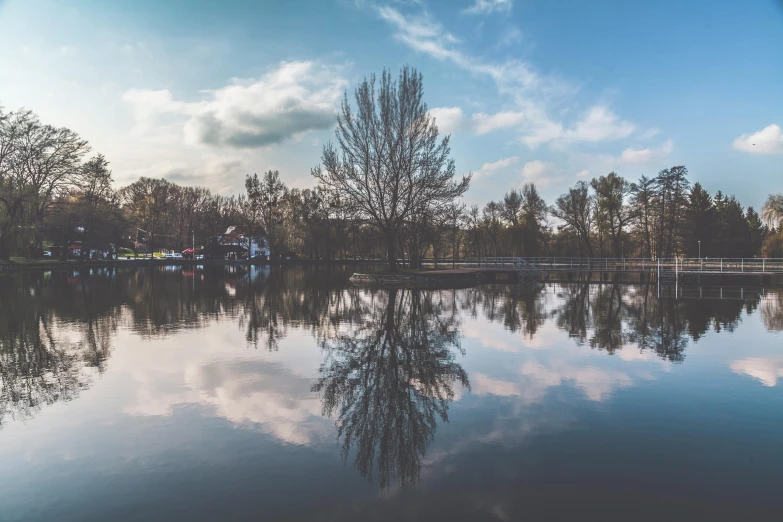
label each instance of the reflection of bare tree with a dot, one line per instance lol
(612, 316)
(574, 314)
(389, 379)
(772, 312)
(36, 368)
(608, 315)
(315, 298)
(519, 307)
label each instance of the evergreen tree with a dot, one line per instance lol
(757, 229)
(701, 220)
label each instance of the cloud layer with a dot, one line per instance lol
(292, 99)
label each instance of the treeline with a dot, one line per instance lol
(659, 217)
(52, 192)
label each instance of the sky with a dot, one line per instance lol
(550, 92)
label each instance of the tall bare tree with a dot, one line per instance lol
(389, 162)
(49, 160)
(575, 209)
(611, 192)
(148, 201)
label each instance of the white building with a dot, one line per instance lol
(257, 245)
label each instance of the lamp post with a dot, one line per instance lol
(700, 265)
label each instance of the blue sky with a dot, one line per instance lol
(544, 91)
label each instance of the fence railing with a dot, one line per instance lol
(684, 265)
(498, 262)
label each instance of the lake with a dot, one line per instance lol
(258, 393)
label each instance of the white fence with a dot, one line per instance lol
(683, 265)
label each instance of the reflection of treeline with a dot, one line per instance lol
(56, 329)
(610, 317)
(154, 302)
(518, 307)
(39, 364)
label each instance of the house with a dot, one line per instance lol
(256, 245)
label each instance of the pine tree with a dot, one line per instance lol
(701, 222)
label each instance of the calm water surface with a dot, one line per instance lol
(287, 394)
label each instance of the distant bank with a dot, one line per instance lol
(20, 266)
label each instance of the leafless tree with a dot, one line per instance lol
(576, 209)
(772, 211)
(389, 162)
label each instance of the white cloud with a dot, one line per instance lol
(448, 119)
(768, 140)
(488, 168)
(451, 119)
(639, 156)
(599, 124)
(489, 7)
(484, 123)
(583, 173)
(539, 172)
(294, 98)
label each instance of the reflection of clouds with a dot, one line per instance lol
(245, 387)
(596, 383)
(497, 339)
(766, 370)
(260, 393)
(485, 385)
(503, 340)
(245, 391)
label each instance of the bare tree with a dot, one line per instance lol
(390, 163)
(576, 209)
(12, 186)
(148, 201)
(772, 211)
(49, 161)
(96, 195)
(611, 191)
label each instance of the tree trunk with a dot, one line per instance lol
(391, 257)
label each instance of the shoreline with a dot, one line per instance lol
(147, 262)
(442, 279)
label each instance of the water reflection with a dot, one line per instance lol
(43, 360)
(389, 380)
(390, 363)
